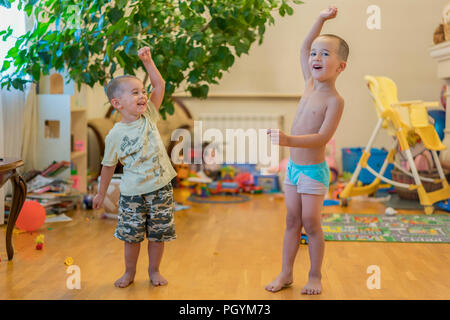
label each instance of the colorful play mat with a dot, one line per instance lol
(399, 228)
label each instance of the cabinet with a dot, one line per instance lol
(62, 129)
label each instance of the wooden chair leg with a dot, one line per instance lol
(19, 194)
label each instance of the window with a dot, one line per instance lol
(16, 20)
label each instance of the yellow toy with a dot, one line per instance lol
(39, 242)
(407, 122)
(68, 261)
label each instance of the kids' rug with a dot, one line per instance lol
(399, 228)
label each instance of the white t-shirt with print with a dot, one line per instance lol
(138, 146)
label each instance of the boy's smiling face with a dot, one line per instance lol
(324, 61)
(132, 99)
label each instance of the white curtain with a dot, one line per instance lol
(15, 107)
(30, 130)
(13, 103)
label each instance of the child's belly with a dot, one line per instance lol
(307, 156)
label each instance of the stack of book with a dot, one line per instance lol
(56, 203)
(55, 194)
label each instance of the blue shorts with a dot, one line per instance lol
(310, 179)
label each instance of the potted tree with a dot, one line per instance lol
(193, 42)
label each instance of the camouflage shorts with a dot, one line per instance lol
(150, 213)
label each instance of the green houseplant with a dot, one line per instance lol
(192, 42)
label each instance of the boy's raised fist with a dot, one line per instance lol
(144, 54)
(329, 13)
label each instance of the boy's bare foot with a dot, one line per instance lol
(125, 280)
(157, 279)
(314, 286)
(279, 283)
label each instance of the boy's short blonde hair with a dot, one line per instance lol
(343, 49)
(114, 86)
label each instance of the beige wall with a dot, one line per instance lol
(399, 50)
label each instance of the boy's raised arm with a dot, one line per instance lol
(157, 81)
(305, 50)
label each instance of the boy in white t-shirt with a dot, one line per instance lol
(146, 195)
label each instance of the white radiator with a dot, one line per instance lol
(241, 120)
(249, 124)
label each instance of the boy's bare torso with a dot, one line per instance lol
(308, 120)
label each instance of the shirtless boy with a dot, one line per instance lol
(323, 58)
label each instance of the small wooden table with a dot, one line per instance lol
(8, 171)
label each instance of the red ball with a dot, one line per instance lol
(39, 246)
(31, 217)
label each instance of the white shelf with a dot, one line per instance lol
(67, 112)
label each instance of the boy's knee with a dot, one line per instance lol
(311, 225)
(293, 222)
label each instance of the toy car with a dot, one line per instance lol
(303, 239)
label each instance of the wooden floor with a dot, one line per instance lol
(222, 252)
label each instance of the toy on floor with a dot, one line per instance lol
(331, 202)
(338, 190)
(68, 261)
(268, 182)
(87, 201)
(246, 183)
(31, 217)
(303, 238)
(227, 187)
(201, 189)
(227, 173)
(207, 191)
(444, 205)
(39, 242)
(199, 182)
(199, 177)
(390, 211)
(182, 173)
